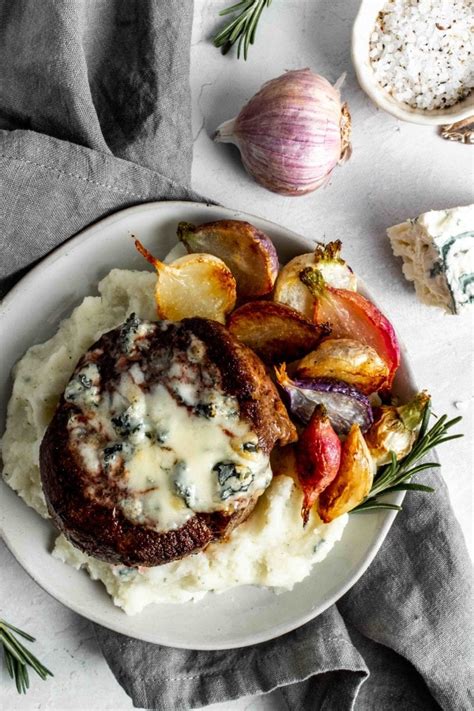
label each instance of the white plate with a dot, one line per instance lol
(243, 616)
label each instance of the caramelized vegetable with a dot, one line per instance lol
(275, 332)
(283, 461)
(345, 404)
(195, 285)
(353, 480)
(395, 429)
(248, 252)
(318, 455)
(289, 289)
(345, 359)
(350, 315)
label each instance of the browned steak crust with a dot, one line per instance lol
(89, 516)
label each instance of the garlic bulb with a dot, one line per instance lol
(292, 133)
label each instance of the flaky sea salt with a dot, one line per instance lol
(422, 51)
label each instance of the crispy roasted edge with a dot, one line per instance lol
(276, 332)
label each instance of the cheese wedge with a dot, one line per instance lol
(437, 249)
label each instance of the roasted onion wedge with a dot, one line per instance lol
(248, 252)
(345, 359)
(275, 332)
(351, 315)
(345, 404)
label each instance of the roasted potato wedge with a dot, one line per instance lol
(327, 259)
(353, 480)
(345, 359)
(194, 285)
(276, 332)
(248, 252)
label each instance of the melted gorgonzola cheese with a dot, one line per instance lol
(174, 449)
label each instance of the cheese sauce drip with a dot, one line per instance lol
(173, 449)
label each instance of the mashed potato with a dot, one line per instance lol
(271, 548)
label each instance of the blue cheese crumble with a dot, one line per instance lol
(84, 388)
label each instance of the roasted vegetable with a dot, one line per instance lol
(318, 455)
(177, 251)
(283, 461)
(345, 404)
(398, 475)
(353, 480)
(249, 253)
(336, 272)
(195, 285)
(395, 428)
(275, 332)
(289, 289)
(350, 315)
(353, 362)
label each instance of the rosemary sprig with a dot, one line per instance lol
(243, 27)
(396, 476)
(18, 658)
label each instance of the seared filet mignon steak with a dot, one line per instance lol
(161, 441)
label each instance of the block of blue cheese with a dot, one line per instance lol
(437, 249)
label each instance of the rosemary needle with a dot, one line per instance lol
(18, 658)
(242, 29)
(396, 475)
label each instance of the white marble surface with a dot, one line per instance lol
(397, 171)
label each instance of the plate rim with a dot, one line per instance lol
(88, 233)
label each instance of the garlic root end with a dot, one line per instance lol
(340, 81)
(225, 132)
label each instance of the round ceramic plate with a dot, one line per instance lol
(242, 616)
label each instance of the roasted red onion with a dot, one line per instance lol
(345, 404)
(351, 315)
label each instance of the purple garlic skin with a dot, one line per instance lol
(292, 133)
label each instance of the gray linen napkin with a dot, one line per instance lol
(407, 622)
(95, 96)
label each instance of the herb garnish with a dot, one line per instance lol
(17, 657)
(243, 27)
(396, 476)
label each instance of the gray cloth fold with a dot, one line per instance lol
(95, 98)
(407, 623)
(176, 678)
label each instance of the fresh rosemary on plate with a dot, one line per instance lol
(17, 657)
(396, 476)
(242, 28)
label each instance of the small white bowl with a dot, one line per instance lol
(363, 27)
